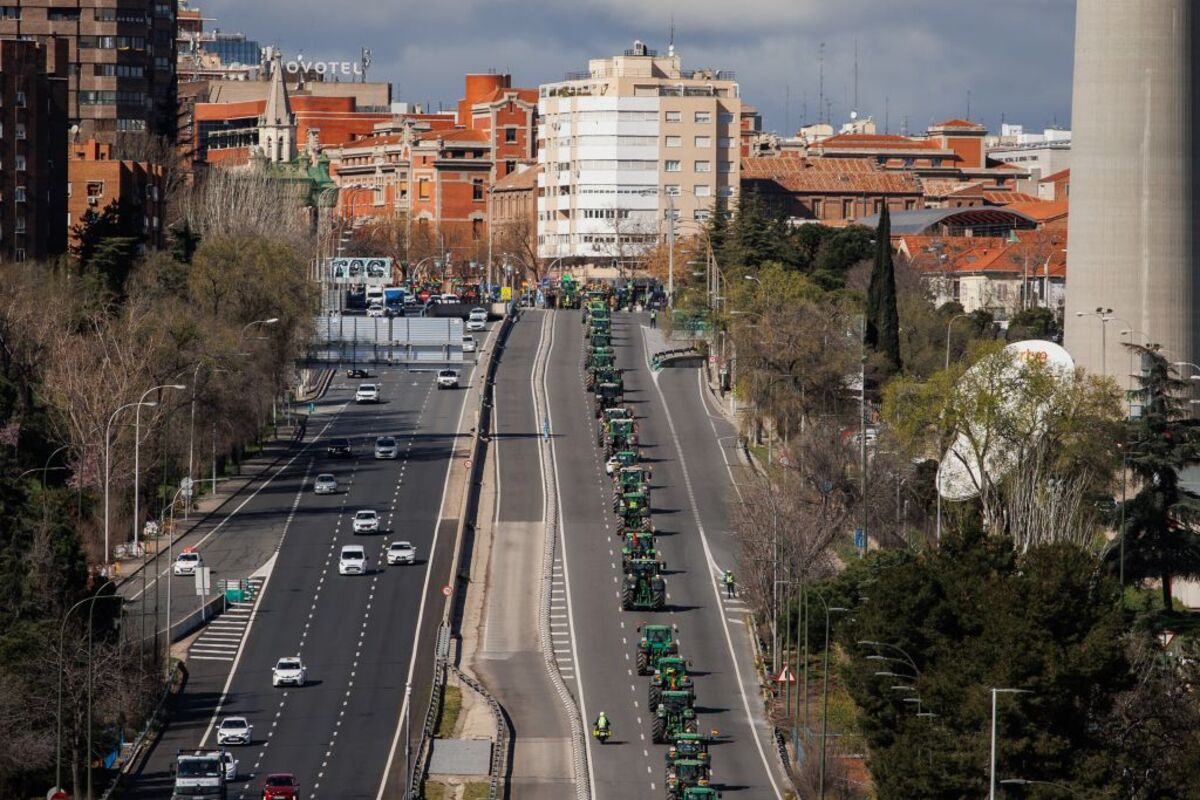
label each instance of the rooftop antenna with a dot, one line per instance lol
(904, 126)
(887, 110)
(671, 46)
(968, 105)
(854, 111)
(821, 98)
(787, 109)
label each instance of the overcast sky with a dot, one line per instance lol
(1014, 57)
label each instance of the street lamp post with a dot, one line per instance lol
(992, 760)
(137, 450)
(825, 692)
(107, 467)
(1105, 316)
(407, 741)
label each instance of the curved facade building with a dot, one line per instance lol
(1132, 236)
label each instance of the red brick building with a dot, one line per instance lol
(33, 149)
(830, 190)
(95, 180)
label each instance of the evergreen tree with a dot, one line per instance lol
(184, 242)
(1159, 535)
(882, 332)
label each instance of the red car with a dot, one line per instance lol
(281, 786)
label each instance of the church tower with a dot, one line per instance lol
(277, 126)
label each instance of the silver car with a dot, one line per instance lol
(386, 447)
(325, 484)
(401, 553)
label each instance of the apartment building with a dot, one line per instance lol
(122, 56)
(627, 143)
(33, 149)
(96, 180)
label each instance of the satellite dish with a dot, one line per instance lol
(960, 474)
(853, 115)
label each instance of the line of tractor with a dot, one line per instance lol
(671, 694)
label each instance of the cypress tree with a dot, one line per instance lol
(882, 331)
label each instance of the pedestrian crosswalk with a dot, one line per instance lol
(223, 636)
(560, 629)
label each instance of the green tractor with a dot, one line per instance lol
(608, 395)
(657, 643)
(644, 588)
(598, 375)
(692, 745)
(684, 774)
(633, 509)
(670, 675)
(633, 479)
(601, 338)
(619, 459)
(699, 793)
(599, 358)
(640, 544)
(622, 435)
(675, 714)
(612, 418)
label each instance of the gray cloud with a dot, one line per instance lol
(923, 56)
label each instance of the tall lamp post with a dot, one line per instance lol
(825, 691)
(137, 451)
(1105, 316)
(992, 760)
(107, 467)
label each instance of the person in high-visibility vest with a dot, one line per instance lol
(729, 591)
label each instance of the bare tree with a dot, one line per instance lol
(223, 202)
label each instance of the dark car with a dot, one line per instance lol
(281, 786)
(339, 448)
(357, 373)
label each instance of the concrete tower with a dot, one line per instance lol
(1132, 243)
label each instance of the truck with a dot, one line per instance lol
(199, 774)
(393, 299)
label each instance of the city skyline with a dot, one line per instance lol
(916, 63)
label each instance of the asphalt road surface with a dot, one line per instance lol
(690, 451)
(355, 633)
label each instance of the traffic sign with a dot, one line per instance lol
(860, 539)
(446, 590)
(57, 794)
(203, 581)
(185, 488)
(785, 675)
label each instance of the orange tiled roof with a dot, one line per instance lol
(518, 180)
(528, 95)
(1061, 175)
(957, 123)
(876, 141)
(943, 187)
(1042, 210)
(829, 175)
(1006, 198)
(455, 135)
(994, 255)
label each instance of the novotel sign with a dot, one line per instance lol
(348, 68)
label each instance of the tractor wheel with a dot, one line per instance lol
(659, 730)
(655, 696)
(627, 597)
(692, 725)
(643, 664)
(658, 598)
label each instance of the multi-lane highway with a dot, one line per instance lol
(339, 733)
(691, 450)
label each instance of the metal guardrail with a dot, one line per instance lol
(442, 661)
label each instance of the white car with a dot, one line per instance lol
(235, 730)
(386, 447)
(479, 312)
(468, 343)
(325, 484)
(353, 560)
(612, 465)
(476, 325)
(401, 553)
(289, 671)
(231, 766)
(187, 563)
(367, 393)
(375, 310)
(366, 522)
(447, 379)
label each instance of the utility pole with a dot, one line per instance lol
(670, 250)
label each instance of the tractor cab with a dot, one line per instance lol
(608, 395)
(633, 479)
(686, 773)
(657, 642)
(675, 714)
(670, 675)
(644, 587)
(690, 745)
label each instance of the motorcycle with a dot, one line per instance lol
(601, 734)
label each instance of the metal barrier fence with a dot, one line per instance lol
(393, 340)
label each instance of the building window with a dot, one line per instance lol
(21, 224)
(19, 194)
(674, 166)
(725, 191)
(672, 190)
(477, 189)
(703, 141)
(510, 167)
(19, 254)
(477, 229)
(725, 143)
(510, 135)
(725, 118)
(725, 166)
(702, 190)
(673, 116)
(20, 165)
(10, 12)
(702, 215)
(131, 124)
(20, 130)
(95, 190)
(703, 117)
(423, 189)
(674, 141)
(703, 166)
(20, 99)
(63, 15)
